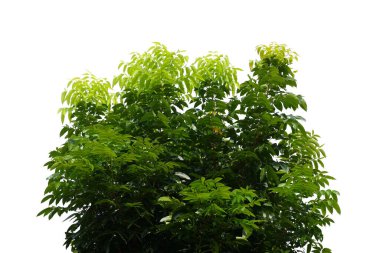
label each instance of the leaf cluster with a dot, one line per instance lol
(185, 159)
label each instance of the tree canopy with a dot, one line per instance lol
(172, 156)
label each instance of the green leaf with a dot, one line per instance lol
(63, 113)
(262, 174)
(303, 104)
(134, 204)
(47, 197)
(336, 206)
(163, 119)
(308, 249)
(63, 96)
(278, 105)
(165, 199)
(45, 211)
(63, 131)
(52, 213)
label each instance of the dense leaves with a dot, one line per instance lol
(179, 157)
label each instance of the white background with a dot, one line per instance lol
(43, 44)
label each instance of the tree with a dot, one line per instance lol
(179, 157)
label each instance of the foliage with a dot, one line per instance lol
(183, 158)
